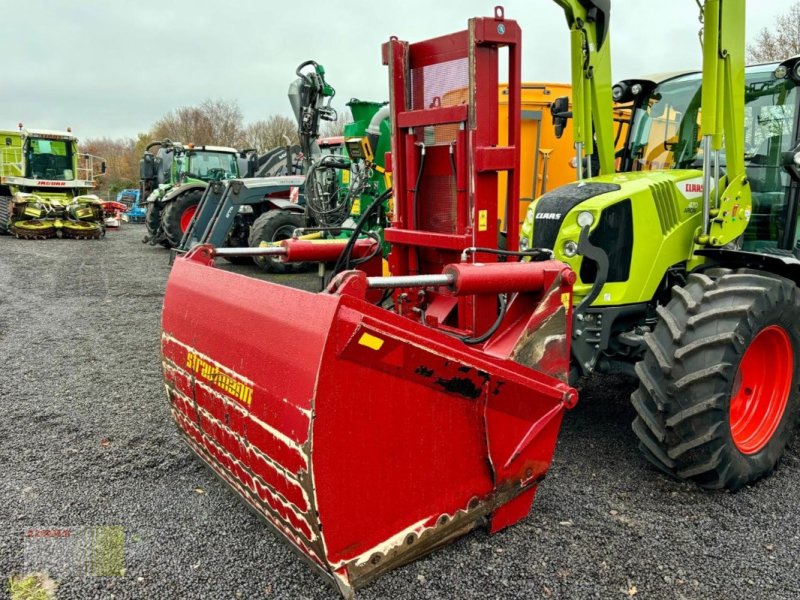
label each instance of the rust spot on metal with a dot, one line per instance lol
(463, 386)
(424, 371)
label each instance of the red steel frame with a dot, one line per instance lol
(477, 156)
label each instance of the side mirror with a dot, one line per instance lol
(559, 109)
(103, 167)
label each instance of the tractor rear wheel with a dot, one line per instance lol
(177, 215)
(152, 222)
(718, 395)
(274, 226)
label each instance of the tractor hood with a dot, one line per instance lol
(652, 209)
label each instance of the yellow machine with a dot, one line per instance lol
(545, 159)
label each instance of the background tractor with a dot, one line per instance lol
(173, 179)
(44, 182)
(687, 260)
(323, 188)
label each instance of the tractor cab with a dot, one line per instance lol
(209, 163)
(664, 134)
(48, 158)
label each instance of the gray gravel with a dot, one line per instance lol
(86, 439)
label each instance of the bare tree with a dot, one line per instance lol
(780, 41)
(215, 122)
(122, 162)
(269, 133)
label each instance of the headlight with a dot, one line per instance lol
(524, 243)
(781, 72)
(570, 249)
(585, 219)
(245, 209)
(636, 89)
(796, 71)
(617, 92)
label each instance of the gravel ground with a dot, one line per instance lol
(86, 440)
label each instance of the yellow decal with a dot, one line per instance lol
(345, 177)
(483, 219)
(370, 341)
(356, 210)
(387, 180)
(212, 373)
(565, 300)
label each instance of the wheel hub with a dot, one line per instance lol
(761, 389)
(186, 217)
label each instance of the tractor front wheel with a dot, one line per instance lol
(177, 215)
(718, 395)
(274, 226)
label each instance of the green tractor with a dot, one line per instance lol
(173, 179)
(323, 189)
(44, 182)
(687, 259)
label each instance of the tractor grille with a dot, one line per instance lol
(666, 201)
(614, 235)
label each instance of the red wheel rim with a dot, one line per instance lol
(761, 389)
(186, 217)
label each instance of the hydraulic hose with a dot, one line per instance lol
(489, 332)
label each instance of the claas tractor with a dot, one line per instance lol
(372, 422)
(687, 259)
(173, 179)
(44, 185)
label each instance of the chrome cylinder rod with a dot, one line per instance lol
(706, 182)
(258, 251)
(397, 281)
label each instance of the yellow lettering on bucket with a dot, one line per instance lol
(370, 341)
(214, 375)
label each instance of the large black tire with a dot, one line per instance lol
(152, 222)
(172, 222)
(273, 226)
(694, 369)
(5, 214)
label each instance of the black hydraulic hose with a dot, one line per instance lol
(343, 262)
(534, 253)
(416, 190)
(489, 332)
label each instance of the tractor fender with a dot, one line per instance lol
(784, 265)
(182, 189)
(282, 204)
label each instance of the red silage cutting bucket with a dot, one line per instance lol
(364, 438)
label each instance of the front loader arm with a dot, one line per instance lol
(591, 79)
(726, 213)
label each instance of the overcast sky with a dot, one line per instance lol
(112, 67)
